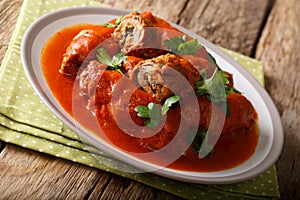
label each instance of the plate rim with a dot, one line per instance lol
(277, 144)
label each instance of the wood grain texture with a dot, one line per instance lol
(9, 11)
(279, 49)
(233, 24)
(31, 175)
(26, 174)
(8, 17)
(166, 9)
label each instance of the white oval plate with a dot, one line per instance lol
(271, 135)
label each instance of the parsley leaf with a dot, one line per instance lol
(154, 115)
(153, 112)
(168, 103)
(80, 34)
(230, 89)
(206, 149)
(181, 46)
(110, 25)
(214, 86)
(189, 47)
(173, 43)
(142, 111)
(200, 143)
(212, 60)
(113, 63)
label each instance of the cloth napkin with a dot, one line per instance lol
(27, 122)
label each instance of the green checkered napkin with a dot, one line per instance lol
(26, 121)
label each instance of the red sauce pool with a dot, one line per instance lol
(230, 150)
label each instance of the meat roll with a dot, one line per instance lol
(137, 35)
(155, 75)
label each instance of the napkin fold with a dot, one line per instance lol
(27, 122)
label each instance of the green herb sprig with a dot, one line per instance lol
(201, 140)
(182, 46)
(113, 63)
(216, 87)
(82, 32)
(153, 112)
(110, 25)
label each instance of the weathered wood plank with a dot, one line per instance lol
(47, 177)
(31, 175)
(279, 49)
(8, 15)
(5, 34)
(233, 24)
(124, 187)
(9, 11)
(26, 174)
(162, 8)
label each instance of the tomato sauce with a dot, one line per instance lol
(230, 150)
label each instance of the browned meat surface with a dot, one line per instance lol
(130, 63)
(240, 117)
(201, 63)
(137, 35)
(242, 114)
(157, 75)
(82, 46)
(99, 85)
(166, 135)
(126, 88)
(149, 73)
(89, 77)
(100, 101)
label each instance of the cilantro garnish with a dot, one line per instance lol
(113, 63)
(182, 46)
(80, 34)
(201, 145)
(173, 43)
(153, 111)
(168, 103)
(110, 25)
(211, 60)
(215, 87)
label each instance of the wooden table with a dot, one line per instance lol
(263, 29)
